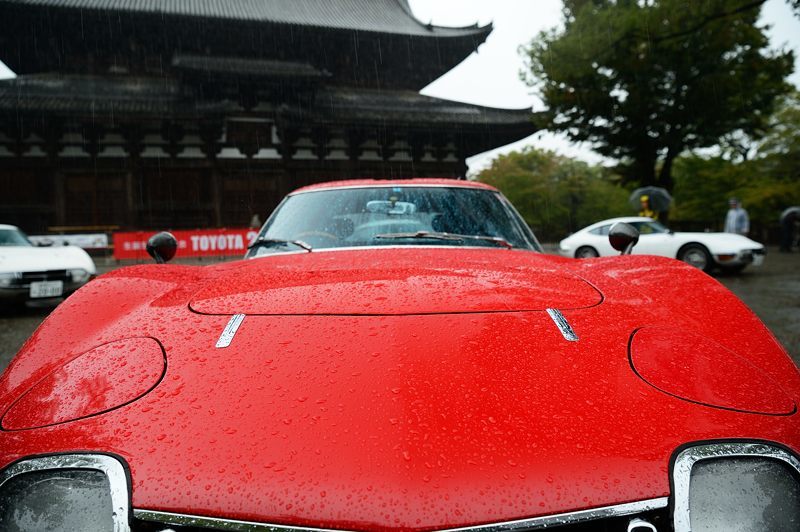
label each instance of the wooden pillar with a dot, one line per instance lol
(134, 145)
(52, 138)
(59, 197)
(216, 193)
(210, 134)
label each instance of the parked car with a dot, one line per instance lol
(727, 251)
(399, 355)
(30, 272)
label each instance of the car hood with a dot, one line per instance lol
(26, 259)
(394, 281)
(725, 240)
(407, 421)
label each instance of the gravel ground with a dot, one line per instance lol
(772, 291)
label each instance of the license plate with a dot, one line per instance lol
(758, 260)
(47, 289)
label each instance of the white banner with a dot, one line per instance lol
(87, 241)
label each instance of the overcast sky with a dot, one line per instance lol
(491, 76)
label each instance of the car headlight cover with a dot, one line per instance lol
(7, 278)
(738, 487)
(79, 275)
(68, 492)
(98, 381)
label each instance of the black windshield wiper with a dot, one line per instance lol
(494, 239)
(268, 242)
(448, 236)
(421, 234)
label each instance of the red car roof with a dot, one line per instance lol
(395, 182)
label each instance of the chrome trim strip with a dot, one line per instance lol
(415, 246)
(456, 184)
(169, 518)
(229, 331)
(111, 467)
(682, 470)
(618, 510)
(562, 324)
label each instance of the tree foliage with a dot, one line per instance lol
(643, 81)
(555, 194)
(766, 183)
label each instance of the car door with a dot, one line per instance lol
(654, 239)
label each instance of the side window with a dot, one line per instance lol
(602, 230)
(644, 228)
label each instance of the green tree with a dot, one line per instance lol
(778, 152)
(767, 182)
(704, 184)
(643, 81)
(555, 194)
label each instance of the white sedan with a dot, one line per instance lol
(728, 251)
(31, 272)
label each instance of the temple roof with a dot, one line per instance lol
(74, 93)
(255, 68)
(409, 108)
(157, 98)
(381, 16)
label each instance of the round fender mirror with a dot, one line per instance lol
(623, 237)
(162, 246)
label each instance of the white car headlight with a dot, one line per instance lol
(71, 492)
(7, 279)
(79, 275)
(737, 486)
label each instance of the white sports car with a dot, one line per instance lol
(727, 251)
(31, 272)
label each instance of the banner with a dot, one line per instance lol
(85, 241)
(192, 243)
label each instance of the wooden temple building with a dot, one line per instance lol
(151, 114)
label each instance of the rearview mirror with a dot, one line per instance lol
(162, 246)
(623, 237)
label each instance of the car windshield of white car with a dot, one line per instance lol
(649, 228)
(396, 215)
(13, 237)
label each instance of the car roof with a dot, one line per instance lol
(626, 219)
(7, 226)
(365, 183)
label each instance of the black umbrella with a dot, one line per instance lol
(793, 213)
(658, 197)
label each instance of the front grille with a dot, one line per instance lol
(26, 278)
(660, 518)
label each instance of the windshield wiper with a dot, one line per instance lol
(268, 242)
(494, 239)
(421, 234)
(447, 236)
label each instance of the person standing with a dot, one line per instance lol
(736, 221)
(645, 209)
(789, 219)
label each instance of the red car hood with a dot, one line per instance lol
(387, 419)
(393, 281)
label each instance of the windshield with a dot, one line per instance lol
(649, 228)
(398, 215)
(13, 237)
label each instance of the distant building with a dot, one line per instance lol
(177, 114)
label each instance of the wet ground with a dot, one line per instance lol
(772, 291)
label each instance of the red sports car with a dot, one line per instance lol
(400, 355)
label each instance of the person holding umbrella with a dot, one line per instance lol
(651, 201)
(789, 219)
(645, 207)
